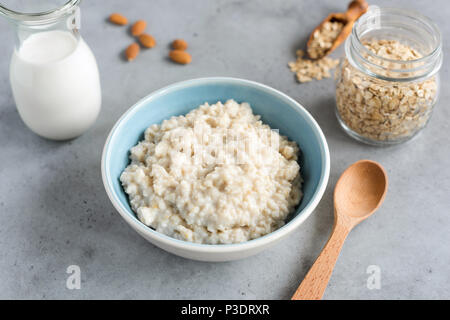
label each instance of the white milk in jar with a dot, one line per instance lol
(56, 85)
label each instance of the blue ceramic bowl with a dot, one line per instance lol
(276, 109)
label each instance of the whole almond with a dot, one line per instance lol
(180, 56)
(138, 28)
(147, 40)
(132, 51)
(179, 44)
(118, 19)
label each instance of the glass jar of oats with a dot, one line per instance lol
(388, 82)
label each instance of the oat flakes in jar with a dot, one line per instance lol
(388, 82)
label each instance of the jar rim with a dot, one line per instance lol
(38, 17)
(359, 55)
(405, 13)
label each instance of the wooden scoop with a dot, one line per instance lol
(358, 194)
(356, 8)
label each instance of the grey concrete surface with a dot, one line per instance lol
(54, 211)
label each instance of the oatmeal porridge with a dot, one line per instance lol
(218, 175)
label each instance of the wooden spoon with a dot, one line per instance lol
(356, 8)
(358, 194)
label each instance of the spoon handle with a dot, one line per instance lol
(356, 9)
(316, 280)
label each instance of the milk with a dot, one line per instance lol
(55, 83)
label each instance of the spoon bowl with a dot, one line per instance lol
(360, 190)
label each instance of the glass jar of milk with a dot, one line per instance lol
(54, 75)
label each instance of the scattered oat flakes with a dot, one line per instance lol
(323, 39)
(307, 70)
(383, 110)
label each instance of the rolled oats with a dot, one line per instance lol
(382, 110)
(323, 39)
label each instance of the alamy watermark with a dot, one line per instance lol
(74, 20)
(225, 147)
(374, 279)
(73, 281)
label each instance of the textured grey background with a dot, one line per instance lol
(54, 211)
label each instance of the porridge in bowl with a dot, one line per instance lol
(218, 175)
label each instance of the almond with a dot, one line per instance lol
(147, 40)
(118, 19)
(132, 52)
(180, 56)
(179, 44)
(138, 28)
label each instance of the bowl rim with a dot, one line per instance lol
(141, 228)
